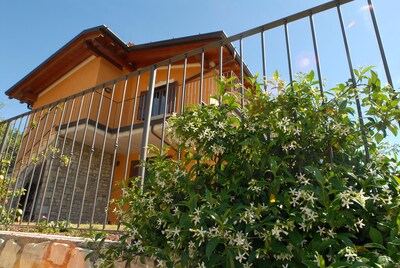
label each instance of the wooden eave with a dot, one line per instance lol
(57, 65)
(100, 41)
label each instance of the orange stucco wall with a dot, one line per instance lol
(75, 82)
(98, 71)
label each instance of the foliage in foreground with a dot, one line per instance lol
(282, 182)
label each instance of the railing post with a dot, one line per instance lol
(3, 142)
(288, 53)
(316, 55)
(146, 125)
(183, 86)
(264, 64)
(241, 73)
(380, 44)
(166, 104)
(201, 77)
(353, 79)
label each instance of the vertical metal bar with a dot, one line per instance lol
(43, 164)
(166, 105)
(316, 55)
(103, 147)
(146, 125)
(71, 156)
(13, 148)
(317, 61)
(61, 154)
(184, 85)
(115, 152)
(353, 79)
(22, 165)
(80, 157)
(130, 136)
(264, 64)
(201, 77)
(288, 54)
(241, 73)
(53, 156)
(14, 123)
(3, 142)
(221, 54)
(34, 164)
(14, 167)
(380, 44)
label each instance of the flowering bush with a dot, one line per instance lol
(282, 182)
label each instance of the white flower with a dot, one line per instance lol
(359, 224)
(361, 197)
(276, 232)
(331, 233)
(302, 179)
(167, 198)
(321, 231)
(196, 219)
(350, 254)
(241, 257)
(175, 232)
(294, 201)
(375, 198)
(303, 226)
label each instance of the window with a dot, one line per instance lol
(159, 101)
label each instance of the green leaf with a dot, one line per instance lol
(230, 258)
(343, 105)
(310, 76)
(321, 261)
(375, 235)
(374, 245)
(211, 245)
(340, 264)
(360, 264)
(395, 242)
(378, 137)
(185, 258)
(316, 173)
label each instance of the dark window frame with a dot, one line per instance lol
(159, 93)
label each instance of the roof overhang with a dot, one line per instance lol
(102, 42)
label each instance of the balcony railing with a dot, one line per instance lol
(67, 156)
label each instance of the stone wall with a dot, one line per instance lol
(56, 183)
(30, 250)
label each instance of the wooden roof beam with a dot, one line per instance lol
(117, 60)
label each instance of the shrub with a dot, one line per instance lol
(282, 182)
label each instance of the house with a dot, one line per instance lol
(85, 133)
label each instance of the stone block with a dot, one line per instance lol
(2, 244)
(120, 264)
(33, 255)
(58, 253)
(9, 254)
(77, 258)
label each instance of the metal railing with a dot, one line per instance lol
(68, 155)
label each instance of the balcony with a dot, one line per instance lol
(70, 156)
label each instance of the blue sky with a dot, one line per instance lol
(32, 30)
